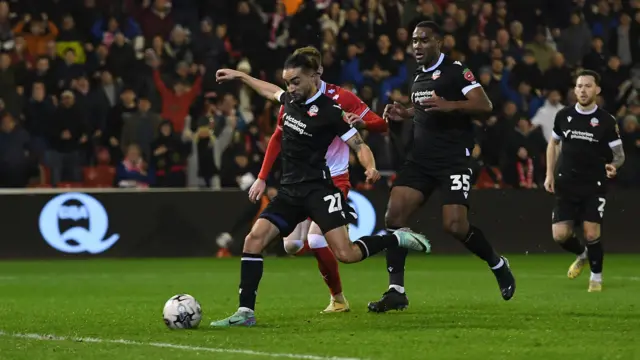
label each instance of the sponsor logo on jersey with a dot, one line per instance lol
(295, 124)
(313, 111)
(436, 74)
(419, 96)
(468, 75)
(595, 122)
(569, 118)
(580, 135)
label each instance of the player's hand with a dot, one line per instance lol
(611, 171)
(395, 112)
(257, 190)
(436, 103)
(372, 175)
(352, 119)
(549, 184)
(223, 75)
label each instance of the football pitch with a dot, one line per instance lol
(112, 309)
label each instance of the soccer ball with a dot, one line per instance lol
(182, 311)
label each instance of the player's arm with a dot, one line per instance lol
(273, 149)
(361, 113)
(615, 143)
(265, 89)
(553, 150)
(365, 156)
(477, 101)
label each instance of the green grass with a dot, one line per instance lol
(455, 313)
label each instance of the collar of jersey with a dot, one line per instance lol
(313, 98)
(323, 86)
(586, 112)
(436, 65)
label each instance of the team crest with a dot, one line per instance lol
(468, 75)
(313, 111)
(595, 122)
(436, 74)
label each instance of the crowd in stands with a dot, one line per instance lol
(122, 93)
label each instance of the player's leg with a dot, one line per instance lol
(411, 189)
(332, 213)
(563, 222)
(279, 217)
(593, 215)
(295, 242)
(455, 190)
(328, 266)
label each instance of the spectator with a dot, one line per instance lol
(169, 157)
(526, 170)
(41, 32)
(139, 127)
(68, 132)
(574, 41)
(15, 160)
(176, 103)
(38, 113)
(132, 172)
(546, 115)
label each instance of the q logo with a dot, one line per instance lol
(76, 239)
(366, 220)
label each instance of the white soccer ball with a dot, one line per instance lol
(182, 311)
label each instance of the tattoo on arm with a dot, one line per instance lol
(356, 142)
(618, 156)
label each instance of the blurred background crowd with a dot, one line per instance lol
(102, 93)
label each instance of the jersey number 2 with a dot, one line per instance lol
(335, 202)
(460, 182)
(603, 202)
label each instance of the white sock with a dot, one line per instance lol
(499, 265)
(596, 277)
(397, 288)
(245, 309)
(583, 255)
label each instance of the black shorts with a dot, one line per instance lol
(578, 208)
(454, 183)
(324, 204)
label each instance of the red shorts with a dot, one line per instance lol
(343, 183)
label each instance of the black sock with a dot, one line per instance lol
(478, 244)
(371, 245)
(573, 245)
(396, 258)
(595, 252)
(250, 275)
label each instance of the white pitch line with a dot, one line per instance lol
(43, 337)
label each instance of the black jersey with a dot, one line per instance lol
(442, 140)
(308, 130)
(587, 139)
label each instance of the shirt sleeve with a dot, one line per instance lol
(556, 134)
(280, 116)
(280, 96)
(612, 134)
(351, 103)
(465, 79)
(341, 128)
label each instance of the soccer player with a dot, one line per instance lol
(589, 136)
(311, 122)
(338, 162)
(444, 94)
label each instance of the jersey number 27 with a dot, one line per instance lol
(335, 202)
